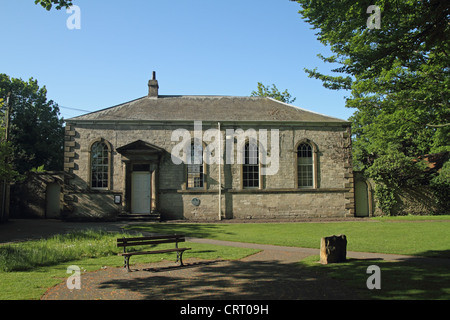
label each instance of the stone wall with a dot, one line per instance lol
(29, 198)
(417, 200)
(278, 195)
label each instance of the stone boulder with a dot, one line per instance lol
(333, 249)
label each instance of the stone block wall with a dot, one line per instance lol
(278, 195)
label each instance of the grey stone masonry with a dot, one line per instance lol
(278, 195)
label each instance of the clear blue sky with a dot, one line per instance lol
(196, 47)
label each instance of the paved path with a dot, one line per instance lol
(272, 274)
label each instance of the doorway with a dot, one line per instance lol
(362, 208)
(141, 192)
(53, 201)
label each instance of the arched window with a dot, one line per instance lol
(195, 176)
(305, 166)
(250, 167)
(99, 165)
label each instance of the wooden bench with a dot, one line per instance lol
(151, 240)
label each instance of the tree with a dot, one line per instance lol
(398, 75)
(273, 92)
(36, 131)
(47, 4)
(7, 173)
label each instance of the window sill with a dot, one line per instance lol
(99, 190)
(290, 190)
(260, 191)
(197, 191)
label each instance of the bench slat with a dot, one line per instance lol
(152, 252)
(149, 242)
(171, 236)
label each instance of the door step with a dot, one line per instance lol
(140, 217)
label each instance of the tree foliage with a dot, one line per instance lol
(266, 91)
(398, 76)
(6, 168)
(59, 4)
(36, 131)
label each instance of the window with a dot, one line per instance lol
(195, 175)
(99, 165)
(305, 166)
(250, 168)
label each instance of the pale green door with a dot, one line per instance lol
(361, 199)
(140, 192)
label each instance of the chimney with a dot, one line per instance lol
(153, 87)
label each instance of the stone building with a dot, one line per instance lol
(164, 154)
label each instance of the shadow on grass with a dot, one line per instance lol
(412, 278)
(442, 254)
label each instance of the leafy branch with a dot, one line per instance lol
(59, 4)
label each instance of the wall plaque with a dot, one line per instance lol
(195, 202)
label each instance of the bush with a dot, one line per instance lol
(392, 171)
(386, 199)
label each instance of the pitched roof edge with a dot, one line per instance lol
(334, 119)
(306, 110)
(104, 109)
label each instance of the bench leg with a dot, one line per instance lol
(126, 263)
(180, 257)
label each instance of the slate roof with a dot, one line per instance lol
(206, 108)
